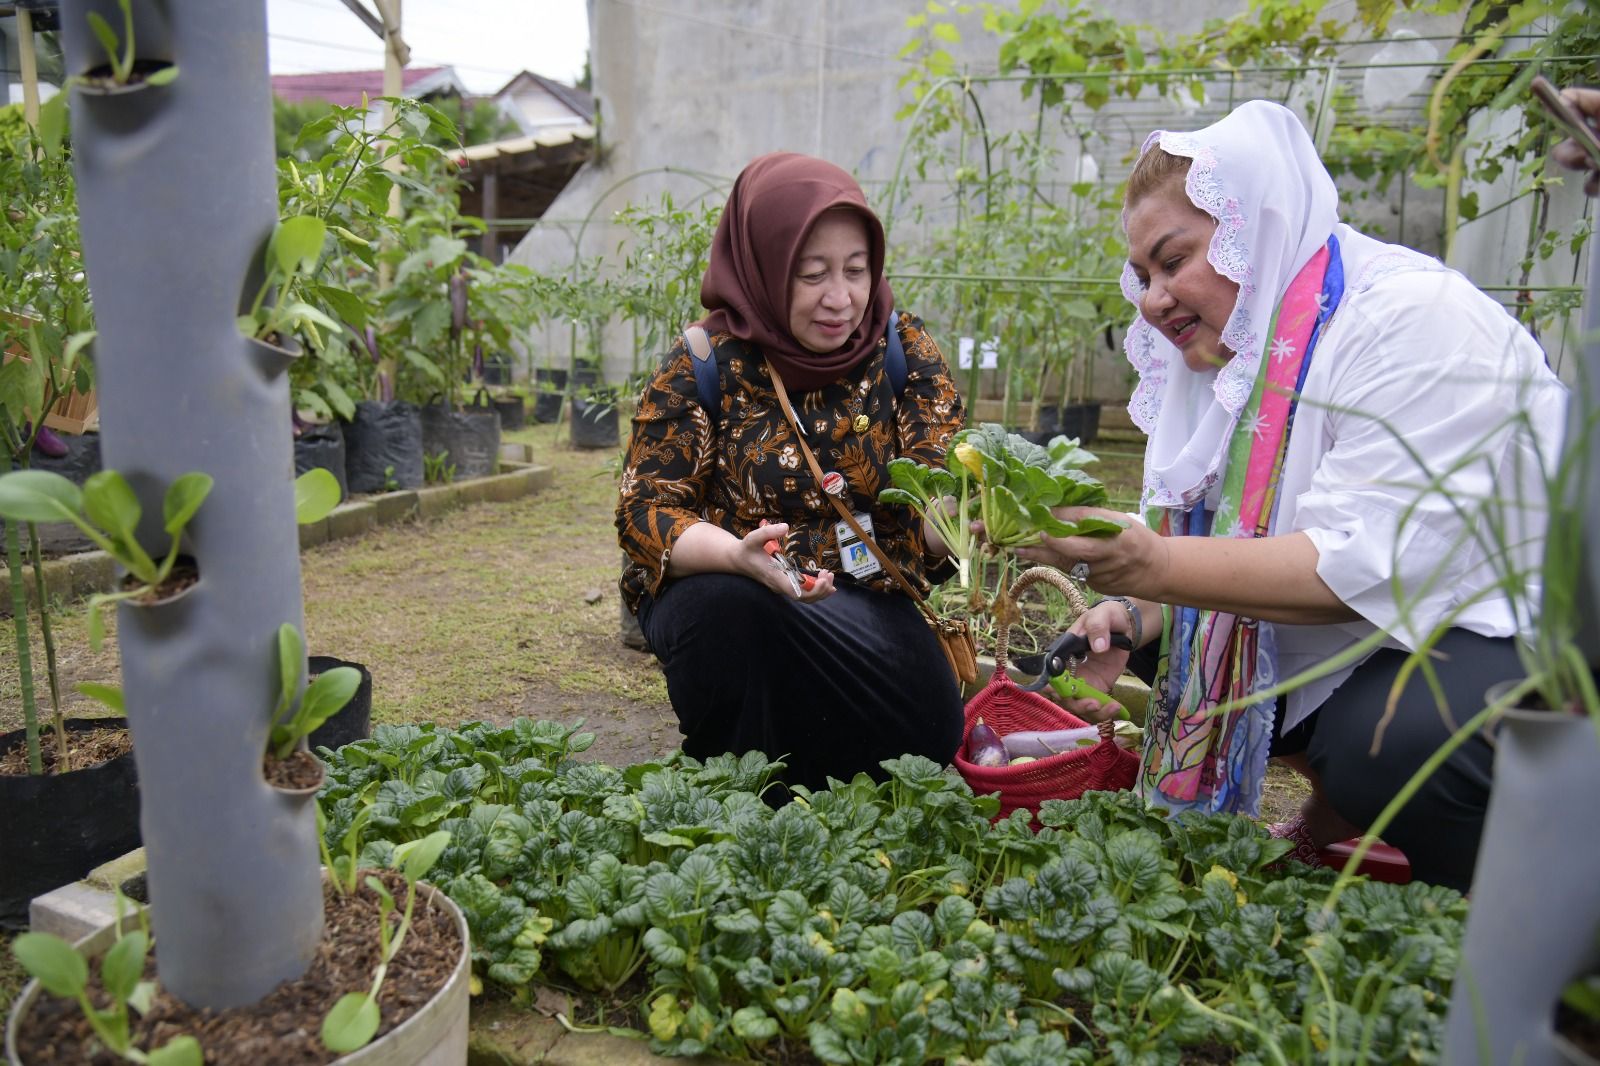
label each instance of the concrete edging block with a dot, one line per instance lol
(515, 452)
(503, 488)
(471, 491)
(111, 875)
(72, 911)
(437, 500)
(75, 577)
(352, 519)
(396, 507)
(313, 534)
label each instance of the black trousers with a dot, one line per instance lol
(832, 688)
(1439, 828)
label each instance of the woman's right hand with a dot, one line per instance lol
(749, 557)
(1105, 663)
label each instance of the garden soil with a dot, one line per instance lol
(282, 1028)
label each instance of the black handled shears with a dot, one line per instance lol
(1057, 663)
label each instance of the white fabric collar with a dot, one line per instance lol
(1257, 173)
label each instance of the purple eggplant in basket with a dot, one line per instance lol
(984, 747)
(1042, 744)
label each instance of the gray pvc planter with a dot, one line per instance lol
(434, 1036)
(1535, 912)
(177, 196)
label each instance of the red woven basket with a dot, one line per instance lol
(1006, 708)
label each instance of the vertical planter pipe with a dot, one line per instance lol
(1535, 911)
(177, 200)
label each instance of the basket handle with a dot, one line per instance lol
(1051, 576)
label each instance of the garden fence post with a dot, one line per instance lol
(177, 193)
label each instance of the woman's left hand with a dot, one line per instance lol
(1131, 563)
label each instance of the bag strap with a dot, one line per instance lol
(838, 504)
(708, 382)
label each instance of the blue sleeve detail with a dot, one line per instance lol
(708, 383)
(894, 359)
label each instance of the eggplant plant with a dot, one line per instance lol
(337, 174)
(49, 324)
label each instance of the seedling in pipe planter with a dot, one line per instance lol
(344, 868)
(291, 258)
(117, 74)
(120, 53)
(62, 971)
(323, 698)
(316, 492)
(107, 512)
(354, 1019)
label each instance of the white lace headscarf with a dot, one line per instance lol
(1257, 173)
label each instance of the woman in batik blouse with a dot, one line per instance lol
(833, 669)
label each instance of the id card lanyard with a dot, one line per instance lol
(844, 512)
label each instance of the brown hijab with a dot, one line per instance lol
(774, 203)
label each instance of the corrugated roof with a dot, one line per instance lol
(344, 87)
(554, 138)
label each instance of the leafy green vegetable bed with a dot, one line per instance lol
(892, 922)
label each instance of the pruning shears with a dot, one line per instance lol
(799, 580)
(1058, 668)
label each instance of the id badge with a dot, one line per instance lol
(855, 557)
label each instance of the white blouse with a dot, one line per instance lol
(1406, 448)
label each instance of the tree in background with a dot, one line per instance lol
(478, 121)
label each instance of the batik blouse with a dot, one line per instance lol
(682, 469)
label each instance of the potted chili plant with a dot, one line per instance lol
(72, 803)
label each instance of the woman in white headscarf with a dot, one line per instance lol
(1302, 386)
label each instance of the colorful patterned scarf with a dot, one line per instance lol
(1195, 758)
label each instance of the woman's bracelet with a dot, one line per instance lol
(1136, 634)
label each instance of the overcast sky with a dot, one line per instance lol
(487, 41)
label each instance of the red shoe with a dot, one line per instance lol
(1381, 863)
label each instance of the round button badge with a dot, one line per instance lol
(833, 483)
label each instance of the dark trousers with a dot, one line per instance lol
(1439, 828)
(832, 688)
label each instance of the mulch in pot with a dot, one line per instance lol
(85, 748)
(300, 770)
(282, 1029)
